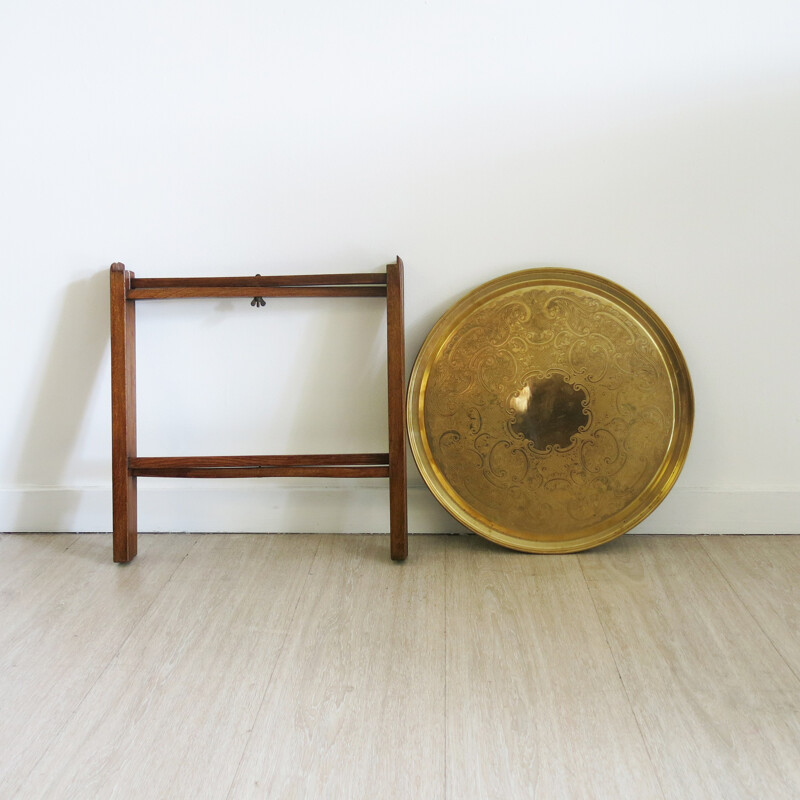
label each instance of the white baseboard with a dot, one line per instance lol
(256, 507)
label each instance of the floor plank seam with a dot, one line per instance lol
(744, 605)
(268, 683)
(60, 552)
(105, 669)
(101, 696)
(166, 583)
(622, 683)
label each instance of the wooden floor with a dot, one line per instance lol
(269, 666)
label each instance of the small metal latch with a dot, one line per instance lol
(258, 301)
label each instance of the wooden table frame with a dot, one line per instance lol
(127, 466)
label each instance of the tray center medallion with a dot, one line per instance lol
(550, 411)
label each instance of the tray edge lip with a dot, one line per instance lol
(682, 429)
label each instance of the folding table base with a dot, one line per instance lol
(127, 467)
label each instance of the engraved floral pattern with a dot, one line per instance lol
(475, 389)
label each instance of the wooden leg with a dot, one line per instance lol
(396, 368)
(123, 413)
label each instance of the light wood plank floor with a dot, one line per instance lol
(289, 666)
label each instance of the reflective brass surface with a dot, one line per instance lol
(550, 410)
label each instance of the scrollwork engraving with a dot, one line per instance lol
(548, 408)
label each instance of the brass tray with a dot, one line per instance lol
(550, 410)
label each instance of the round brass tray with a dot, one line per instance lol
(550, 410)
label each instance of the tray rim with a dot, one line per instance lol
(683, 400)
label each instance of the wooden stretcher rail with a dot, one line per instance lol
(347, 279)
(254, 290)
(206, 462)
(261, 472)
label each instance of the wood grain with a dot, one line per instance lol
(23, 555)
(262, 472)
(261, 291)
(353, 459)
(331, 465)
(396, 372)
(311, 666)
(127, 467)
(535, 706)
(716, 703)
(764, 572)
(171, 715)
(57, 635)
(257, 281)
(356, 705)
(123, 413)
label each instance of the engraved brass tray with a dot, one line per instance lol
(550, 410)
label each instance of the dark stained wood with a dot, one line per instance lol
(253, 290)
(396, 370)
(123, 414)
(206, 462)
(344, 279)
(126, 289)
(263, 472)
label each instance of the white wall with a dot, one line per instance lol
(657, 144)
